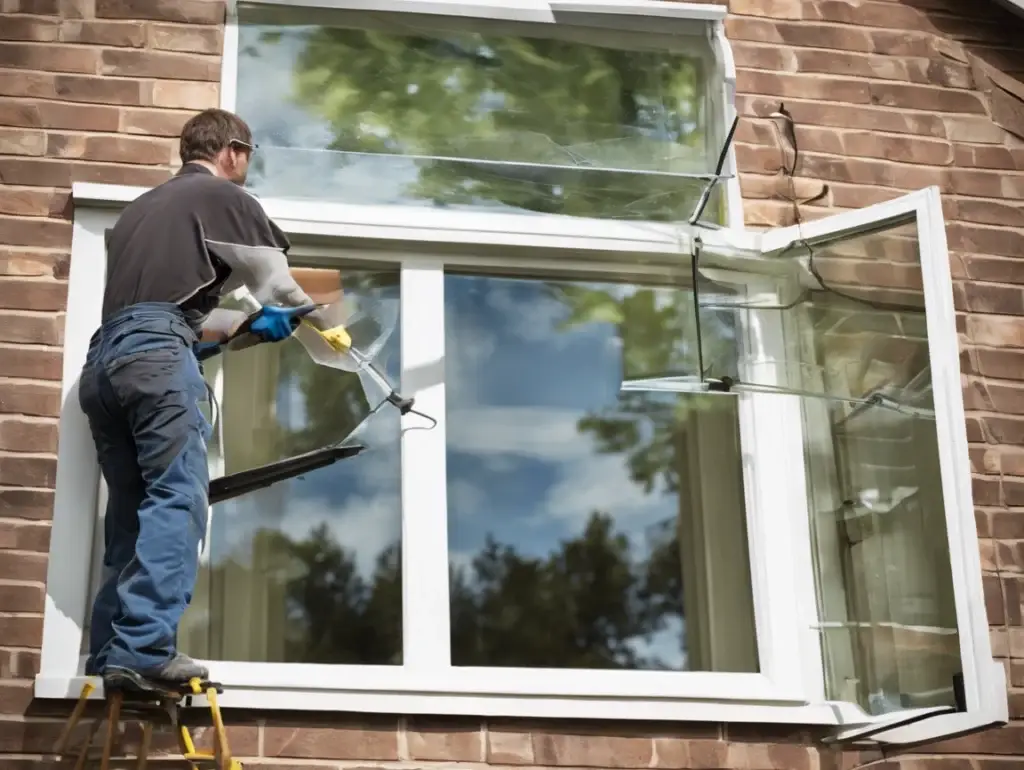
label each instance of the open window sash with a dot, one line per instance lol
(856, 316)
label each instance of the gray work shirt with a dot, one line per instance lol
(159, 249)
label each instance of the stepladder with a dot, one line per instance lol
(153, 708)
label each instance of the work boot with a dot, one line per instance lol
(178, 670)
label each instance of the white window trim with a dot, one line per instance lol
(424, 491)
(789, 690)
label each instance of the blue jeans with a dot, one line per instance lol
(141, 390)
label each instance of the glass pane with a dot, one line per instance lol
(856, 334)
(589, 527)
(435, 111)
(307, 570)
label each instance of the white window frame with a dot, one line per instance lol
(789, 688)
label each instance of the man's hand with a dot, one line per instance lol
(273, 324)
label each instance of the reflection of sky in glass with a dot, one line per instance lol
(519, 469)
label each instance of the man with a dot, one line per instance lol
(174, 252)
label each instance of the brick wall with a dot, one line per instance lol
(887, 95)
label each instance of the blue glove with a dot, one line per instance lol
(273, 324)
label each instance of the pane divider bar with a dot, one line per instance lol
(425, 593)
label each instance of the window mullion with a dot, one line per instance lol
(781, 570)
(425, 603)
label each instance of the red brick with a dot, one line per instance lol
(30, 294)
(47, 114)
(983, 268)
(156, 64)
(33, 504)
(992, 298)
(18, 664)
(106, 173)
(101, 90)
(441, 740)
(31, 262)
(1003, 364)
(32, 398)
(45, 329)
(1013, 491)
(22, 566)
(612, 751)
(21, 598)
(23, 435)
(28, 537)
(804, 86)
(988, 240)
(18, 470)
(33, 736)
(994, 604)
(113, 33)
(996, 331)
(30, 363)
(112, 149)
(188, 11)
(15, 697)
(508, 746)
(29, 202)
(377, 740)
(21, 631)
(32, 231)
(38, 7)
(187, 39)
(52, 58)
(798, 34)
(154, 122)
(30, 84)
(21, 142)
(38, 172)
(925, 98)
(185, 96)
(29, 28)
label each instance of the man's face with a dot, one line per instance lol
(238, 163)
(233, 161)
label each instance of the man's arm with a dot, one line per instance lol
(248, 242)
(221, 324)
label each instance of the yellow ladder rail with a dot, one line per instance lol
(150, 709)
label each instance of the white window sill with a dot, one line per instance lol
(460, 704)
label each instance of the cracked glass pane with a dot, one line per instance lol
(507, 117)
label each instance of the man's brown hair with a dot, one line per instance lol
(209, 132)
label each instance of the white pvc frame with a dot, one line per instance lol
(790, 687)
(426, 668)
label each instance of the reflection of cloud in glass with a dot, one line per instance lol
(524, 474)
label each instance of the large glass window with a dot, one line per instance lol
(590, 527)
(668, 481)
(307, 570)
(498, 116)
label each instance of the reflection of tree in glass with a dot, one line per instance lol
(658, 333)
(591, 601)
(585, 605)
(559, 107)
